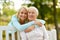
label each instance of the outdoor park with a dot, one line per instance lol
(49, 10)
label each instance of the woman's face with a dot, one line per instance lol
(31, 14)
(23, 14)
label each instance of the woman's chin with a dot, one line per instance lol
(30, 19)
(22, 19)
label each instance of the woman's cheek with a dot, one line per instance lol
(26, 16)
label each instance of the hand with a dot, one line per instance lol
(38, 23)
(29, 29)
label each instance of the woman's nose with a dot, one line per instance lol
(30, 14)
(23, 14)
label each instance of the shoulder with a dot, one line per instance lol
(14, 17)
(40, 20)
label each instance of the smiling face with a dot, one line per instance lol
(32, 14)
(23, 14)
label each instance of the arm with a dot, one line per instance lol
(46, 37)
(37, 22)
(29, 29)
(20, 27)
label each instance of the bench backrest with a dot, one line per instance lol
(52, 34)
(7, 37)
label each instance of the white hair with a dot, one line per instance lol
(32, 7)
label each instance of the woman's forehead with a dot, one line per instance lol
(23, 9)
(31, 10)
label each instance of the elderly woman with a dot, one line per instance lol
(35, 32)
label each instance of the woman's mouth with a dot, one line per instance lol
(30, 16)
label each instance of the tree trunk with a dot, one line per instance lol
(55, 17)
(41, 11)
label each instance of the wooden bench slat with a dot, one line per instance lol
(7, 35)
(13, 36)
(0, 35)
(18, 35)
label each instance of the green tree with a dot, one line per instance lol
(8, 12)
(6, 9)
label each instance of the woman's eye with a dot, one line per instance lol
(21, 12)
(25, 13)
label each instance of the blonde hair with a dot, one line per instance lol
(26, 8)
(32, 7)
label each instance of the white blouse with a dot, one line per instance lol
(39, 33)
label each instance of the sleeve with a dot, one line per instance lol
(11, 28)
(42, 21)
(45, 34)
(20, 27)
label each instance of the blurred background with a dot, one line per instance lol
(49, 10)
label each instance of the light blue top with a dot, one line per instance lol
(14, 23)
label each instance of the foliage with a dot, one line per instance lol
(44, 9)
(8, 12)
(58, 14)
(6, 9)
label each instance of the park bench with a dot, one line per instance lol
(51, 33)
